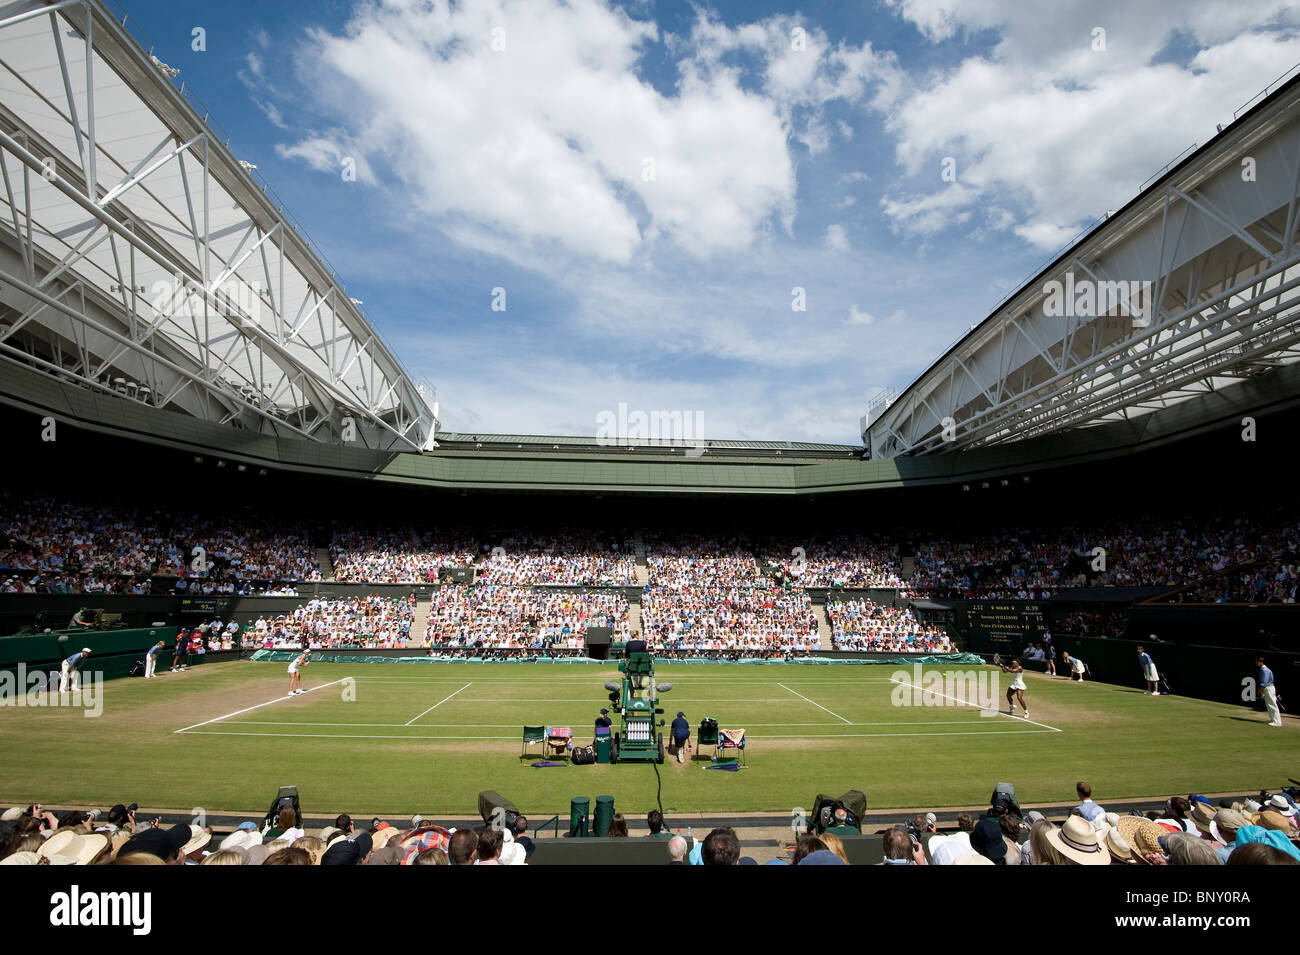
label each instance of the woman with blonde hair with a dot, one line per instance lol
(315, 848)
(1044, 853)
(835, 845)
(224, 857)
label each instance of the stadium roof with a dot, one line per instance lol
(1192, 286)
(690, 448)
(141, 256)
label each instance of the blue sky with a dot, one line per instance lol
(649, 181)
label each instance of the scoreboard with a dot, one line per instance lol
(1000, 625)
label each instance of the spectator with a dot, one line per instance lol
(721, 847)
(901, 849)
(1087, 808)
(490, 842)
(654, 821)
(463, 847)
(677, 849)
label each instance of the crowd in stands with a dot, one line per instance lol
(725, 619)
(566, 557)
(372, 622)
(866, 625)
(397, 557)
(1186, 831)
(691, 561)
(53, 545)
(59, 546)
(504, 617)
(841, 561)
(1266, 581)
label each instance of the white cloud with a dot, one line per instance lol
(1061, 130)
(327, 154)
(836, 238)
(859, 317)
(594, 161)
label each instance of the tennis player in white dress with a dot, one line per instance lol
(1016, 691)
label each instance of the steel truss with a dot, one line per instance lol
(1215, 243)
(138, 256)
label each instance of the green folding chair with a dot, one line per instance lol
(534, 734)
(707, 735)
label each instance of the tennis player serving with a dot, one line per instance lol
(295, 678)
(1016, 691)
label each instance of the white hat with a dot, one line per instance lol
(1279, 804)
(512, 853)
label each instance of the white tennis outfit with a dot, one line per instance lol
(293, 665)
(1018, 681)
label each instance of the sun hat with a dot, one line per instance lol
(241, 839)
(11, 814)
(1271, 819)
(381, 836)
(1202, 815)
(76, 849)
(1279, 804)
(512, 853)
(1118, 846)
(1229, 819)
(1142, 834)
(972, 858)
(197, 840)
(1077, 841)
(21, 858)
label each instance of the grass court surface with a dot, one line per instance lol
(427, 738)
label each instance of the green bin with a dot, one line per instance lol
(579, 807)
(602, 749)
(604, 815)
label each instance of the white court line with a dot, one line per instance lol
(982, 709)
(605, 699)
(515, 737)
(676, 679)
(504, 725)
(818, 705)
(439, 703)
(256, 706)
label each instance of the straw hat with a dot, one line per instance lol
(1077, 841)
(11, 814)
(1142, 835)
(972, 858)
(1270, 819)
(380, 838)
